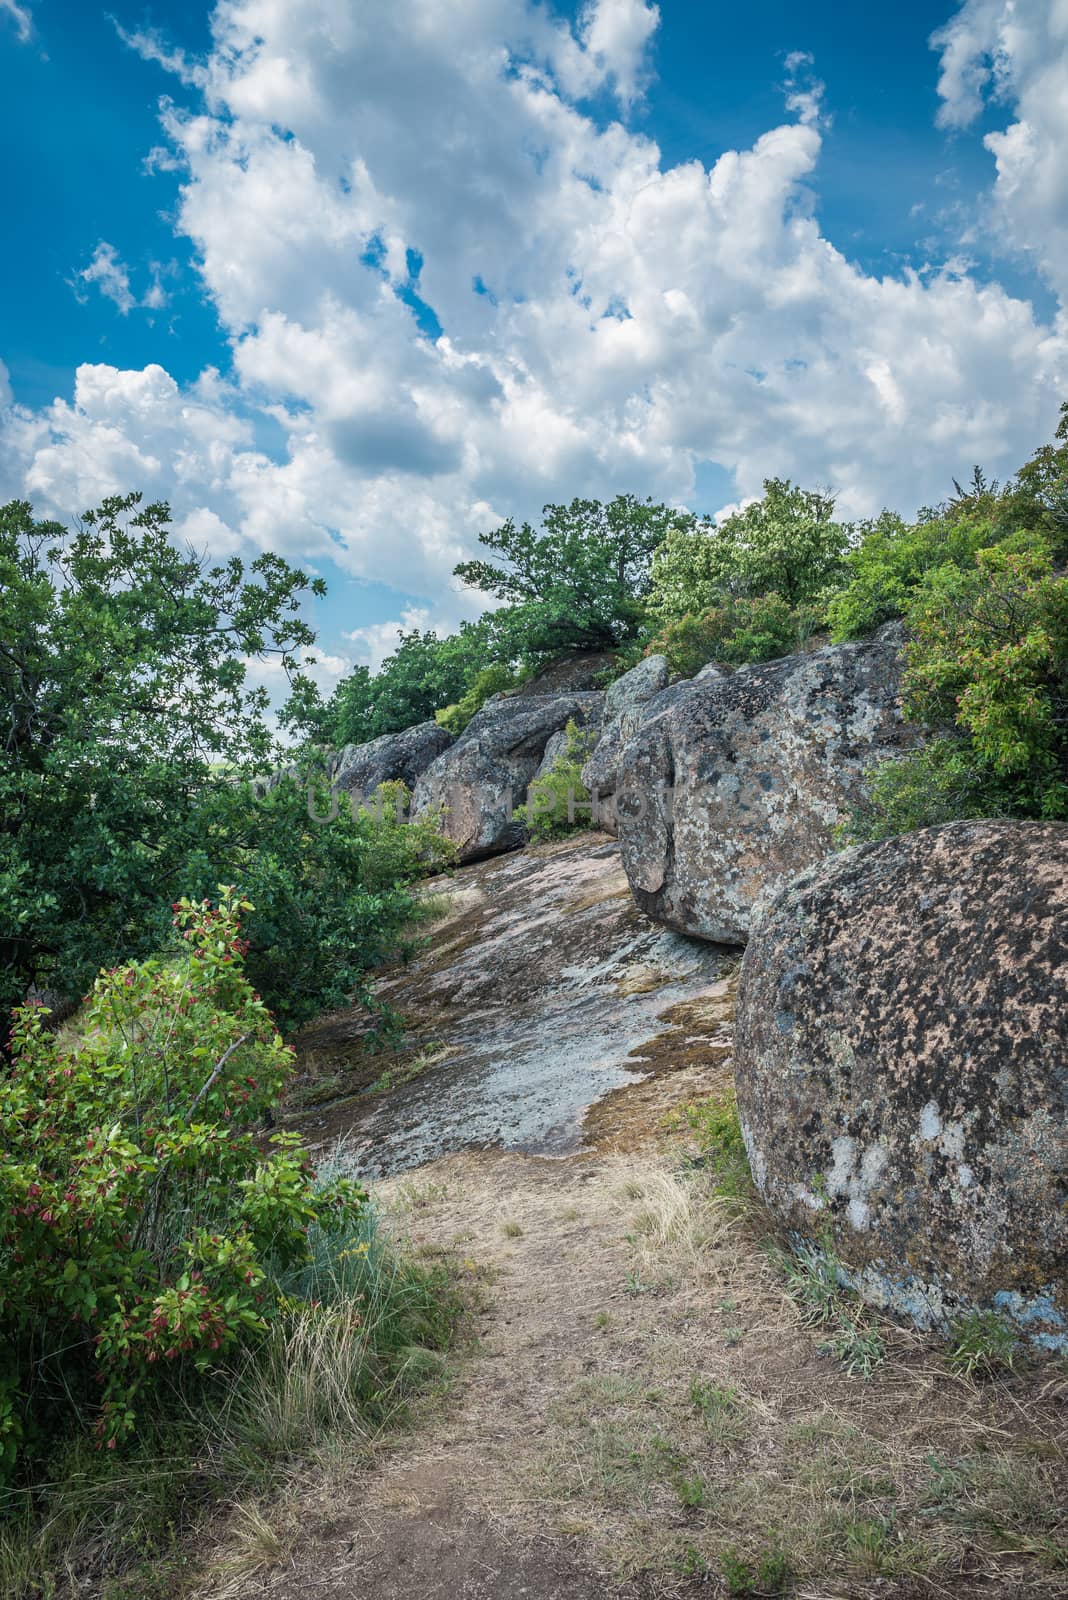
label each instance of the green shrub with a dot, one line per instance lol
(360, 1326)
(941, 781)
(123, 776)
(736, 631)
(488, 682)
(786, 544)
(125, 700)
(893, 559)
(141, 1228)
(987, 659)
(990, 652)
(559, 805)
(331, 889)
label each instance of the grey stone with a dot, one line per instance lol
(556, 748)
(901, 1057)
(625, 705)
(405, 756)
(475, 785)
(542, 991)
(733, 783)
(572, 674)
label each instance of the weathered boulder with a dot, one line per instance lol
(624, 705)
(554, 751)
(901, 1058)
(360, 768)
(475, 785)
(573, 674)
(267, 782)
(734, 782)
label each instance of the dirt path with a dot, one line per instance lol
(448, 1512)
(645, 1406)
(646, 1412)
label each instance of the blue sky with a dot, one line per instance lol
(357, 281)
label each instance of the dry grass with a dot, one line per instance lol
(714, 1430)
(648, 1397)
(307, 1380)
(253, 1545)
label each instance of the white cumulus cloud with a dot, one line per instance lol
(1014, 53)
(372, 644)
(110, 274)
(453, 293)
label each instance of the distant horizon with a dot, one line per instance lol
(356, 284)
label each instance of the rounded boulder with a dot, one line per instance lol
(902, 1068)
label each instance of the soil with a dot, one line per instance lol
(555, 1468)
(642, 1402)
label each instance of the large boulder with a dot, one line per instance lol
(573, 674)
(360, 768)
(475, 786)
(901, 1057)
(624, 705)
(733, 782)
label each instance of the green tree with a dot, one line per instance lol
(127, 727)
(421, 676)
(577, 583)
(786, 543)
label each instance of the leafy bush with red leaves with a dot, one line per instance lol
(142, 1221)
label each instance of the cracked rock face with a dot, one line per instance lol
(544, 998)
(360, 768)
(624, 707)
(902, 1068)
(475, 785)
(733, 783)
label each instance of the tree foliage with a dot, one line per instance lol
(331, 885)
(989, 652)
(423, 674)
(787, 543)
(987, 671)
(141, 1226)
(891, 559)
(578, 582)
(736, 631)
(128, 729)
(486, 683)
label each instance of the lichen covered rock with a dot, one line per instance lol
(902, 1068)
(405, 756)
(736, 781)
(475, 786)
(624, 706)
